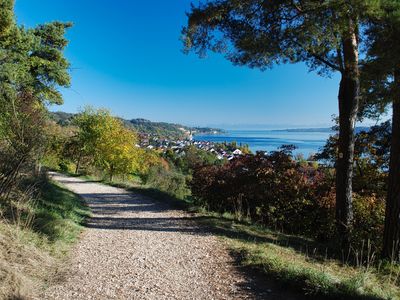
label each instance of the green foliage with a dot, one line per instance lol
(159, 129)
(33, 62)
(95, 142)
(105, 142)
(146, 160)
(260, 34)
(6, 17)
(166, 130)
(170, 182)
(32, 69)
(382, 60)
(55, 152)
(232, 146)
(173, 174)
(371, 156)
(369, 211)
(190, 158)
(59, 214)
(381, 86)
(155, 129)
(49, 67)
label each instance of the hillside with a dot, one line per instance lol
(159, 129)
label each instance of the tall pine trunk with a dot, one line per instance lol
(349, 93)
(391, 233)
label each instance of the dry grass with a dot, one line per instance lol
(31, 255)
(23, 265)
(295, 262)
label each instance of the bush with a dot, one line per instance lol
(167, 181)
(66, 166)
(272, 189)
(280, 192)
(369, 217)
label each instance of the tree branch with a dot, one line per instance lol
(320, 58)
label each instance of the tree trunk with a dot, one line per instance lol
(38, 168)
(349, 93)
(111, 173)
(391, 233)
(78, 163)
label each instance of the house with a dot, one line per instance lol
(237, 152)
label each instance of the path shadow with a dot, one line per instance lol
(108, 211)
(115, 203)
(155, 201)
(169, 224)
(223, 227)
(115, 211)
(78, 181)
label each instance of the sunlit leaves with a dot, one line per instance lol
(108, 143)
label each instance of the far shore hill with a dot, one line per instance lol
(178, 131)
(143, 126)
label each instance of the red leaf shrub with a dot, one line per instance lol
(279, 192)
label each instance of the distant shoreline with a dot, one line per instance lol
(307, 140)
(318, 129)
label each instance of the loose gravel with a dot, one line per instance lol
(138, 248)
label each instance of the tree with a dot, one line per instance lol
(106, 142)
(82, 146)
(60, 148)
(6, 16)
(381, 86)
(147, 160)
(371, 157)
(323, 34)
(116, 151)
(32, 68)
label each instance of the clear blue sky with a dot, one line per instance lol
(126, 56)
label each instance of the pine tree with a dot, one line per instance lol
(32, 68)
(381, 87)
(323, 34)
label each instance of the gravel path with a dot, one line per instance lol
(136, 248)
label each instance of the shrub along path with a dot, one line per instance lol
(137, 248)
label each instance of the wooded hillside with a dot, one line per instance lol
(159, 129)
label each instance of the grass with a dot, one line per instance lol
(294, 262)
(60, 215)
(30, 255)
(136, 186)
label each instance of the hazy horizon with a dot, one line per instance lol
(237, 126)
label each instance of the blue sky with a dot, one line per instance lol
(126, 56)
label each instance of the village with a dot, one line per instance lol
(222, 151)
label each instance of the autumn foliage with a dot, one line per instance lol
(277, 191)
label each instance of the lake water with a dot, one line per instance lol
(307, 141)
